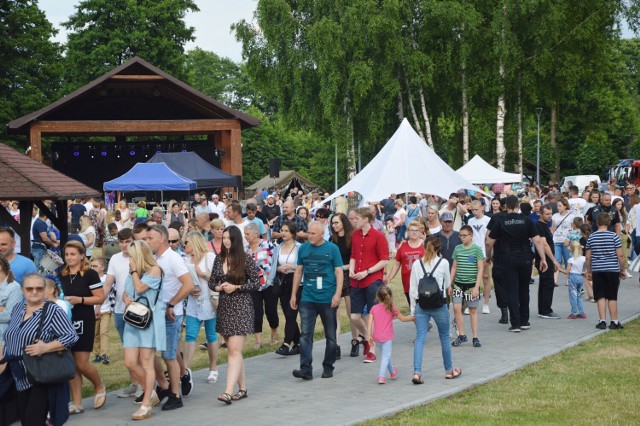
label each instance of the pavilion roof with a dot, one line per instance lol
(26, 179)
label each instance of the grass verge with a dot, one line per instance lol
(595, 382)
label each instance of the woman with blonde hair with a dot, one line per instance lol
(140, 345)
(199, 303)
(82, 289)
(88, 234)
(399, 218)
(217, 227)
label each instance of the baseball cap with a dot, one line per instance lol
(271, 196)
(446, 217)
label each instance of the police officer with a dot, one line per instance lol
(512, 259)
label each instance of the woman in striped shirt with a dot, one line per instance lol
(57, 334)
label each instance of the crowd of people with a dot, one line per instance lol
(223, 265)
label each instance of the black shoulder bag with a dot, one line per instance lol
(51, 367)
(139, 314)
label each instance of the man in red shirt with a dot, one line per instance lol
(369, 257)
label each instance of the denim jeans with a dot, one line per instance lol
(37, 254)
(561, 252)
(441, 317)
(308, 313)
(385, 357)
(575, 287)
(118, 320)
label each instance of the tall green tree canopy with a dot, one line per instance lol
(29, 62)
(105, 33)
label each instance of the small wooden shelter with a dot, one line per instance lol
(31, 182)
(137, 98)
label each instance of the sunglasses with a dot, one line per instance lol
(173, 241)
(32, 289)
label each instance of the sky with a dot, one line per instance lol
(212, 23)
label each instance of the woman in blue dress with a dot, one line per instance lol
(140, 345)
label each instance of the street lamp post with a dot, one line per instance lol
(538, 112)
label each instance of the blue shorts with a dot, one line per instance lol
(193, 327)
(361, 297)
(173, 336)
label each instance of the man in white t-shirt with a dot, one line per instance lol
(575, 202)
(479, 224)
(176, 286)
(235, 213)
(117, 274)
(89, 206)
(217, 206)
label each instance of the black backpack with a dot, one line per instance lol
(430, 295)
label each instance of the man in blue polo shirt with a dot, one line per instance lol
(320, 263)
(20, 265)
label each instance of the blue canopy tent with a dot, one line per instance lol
(194, 167)
(150, 177)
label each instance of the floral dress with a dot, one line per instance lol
(235, 310)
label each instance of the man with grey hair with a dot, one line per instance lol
(252, 210)
(176, 286)
(320, 266)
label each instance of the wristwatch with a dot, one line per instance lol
(169, 305)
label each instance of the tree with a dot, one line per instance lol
(106, 33)
(224, 80)
(30, 72)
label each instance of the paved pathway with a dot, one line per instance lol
(352, 395)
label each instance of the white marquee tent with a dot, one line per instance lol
(405, 164)
(479, 171)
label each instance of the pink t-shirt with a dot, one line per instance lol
(383, 322)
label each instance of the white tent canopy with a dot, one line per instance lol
(405, 164)
(479, 171)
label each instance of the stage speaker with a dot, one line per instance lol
(274, 168)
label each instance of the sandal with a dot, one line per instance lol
(100, 399)
(74, 409)
(225, 397)
(274, 340)
(417, 379)
(144, 412)
(453, 374)
(242, 394)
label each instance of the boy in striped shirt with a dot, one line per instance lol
(605, 267)
(466, 276)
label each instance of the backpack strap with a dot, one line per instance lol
(436, 267)
(422, 265)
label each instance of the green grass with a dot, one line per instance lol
(596, 382)
(116, 376)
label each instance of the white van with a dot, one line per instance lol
(581, 181)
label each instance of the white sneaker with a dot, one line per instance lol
(213, 377)
(466, 311)
(129, 391)
(485, 309)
